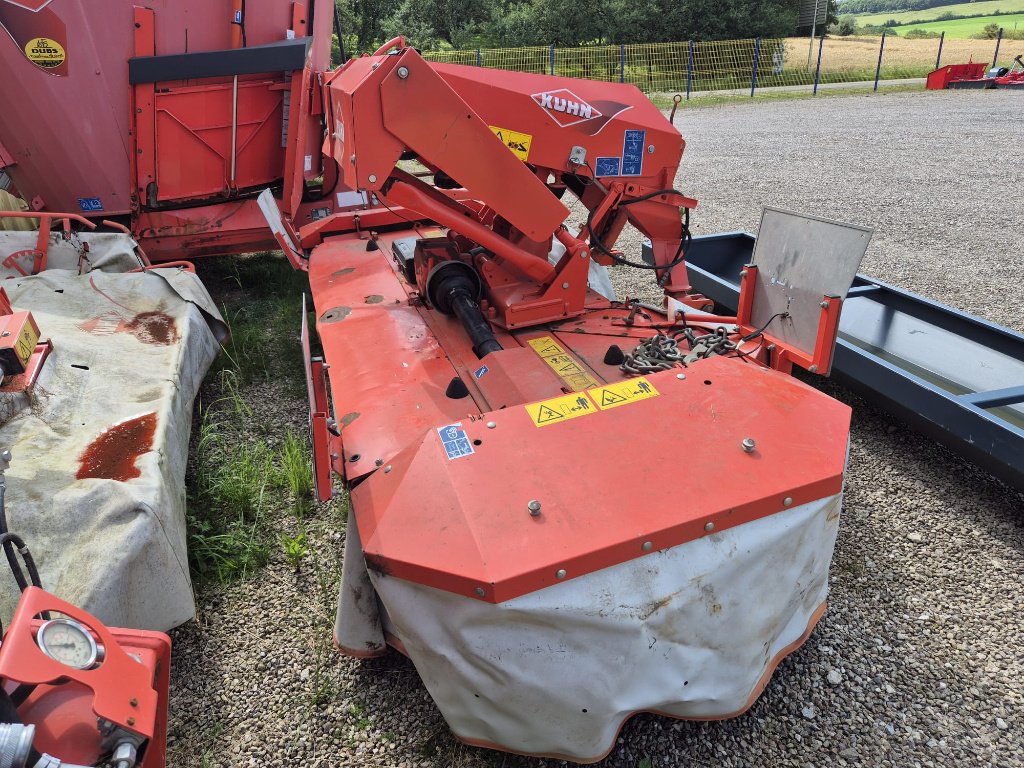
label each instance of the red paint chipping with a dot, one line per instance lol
(154, 328)
(112, 455)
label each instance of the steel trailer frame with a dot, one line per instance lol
(978, 426)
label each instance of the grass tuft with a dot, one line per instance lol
(240, 471)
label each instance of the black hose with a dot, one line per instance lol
(12, 560)
(26, 556)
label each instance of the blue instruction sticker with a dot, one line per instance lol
(607, 166)
(633, 153)
(238, 17)
(90, 204)
(455, 442)
(479, 372)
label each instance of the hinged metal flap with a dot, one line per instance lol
(800, 260)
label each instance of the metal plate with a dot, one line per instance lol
(800, 259)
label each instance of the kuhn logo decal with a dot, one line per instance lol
(565, 107)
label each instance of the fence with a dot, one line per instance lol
(701, 67)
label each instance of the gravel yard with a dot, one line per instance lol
(920, 657)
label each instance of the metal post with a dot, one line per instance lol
(622, 63)
(938, 56)
(753, 70)
(689, 71)
(814, 27)
(878, 70)
(817, 70)
(478, 57)
(551, 58)
(999, 39)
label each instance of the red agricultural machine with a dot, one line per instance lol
(566, 508)
(973, 75)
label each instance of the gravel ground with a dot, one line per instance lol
(920, 658)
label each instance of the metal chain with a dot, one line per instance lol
(659, 353)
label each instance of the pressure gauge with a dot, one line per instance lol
(67, 641)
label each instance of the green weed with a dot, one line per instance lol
(294, 549)
(297, 466)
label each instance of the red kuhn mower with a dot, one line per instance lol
(567, 506)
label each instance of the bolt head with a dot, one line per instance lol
(823, 305)
(650, 149)
(491, 424)
(565, 285)
(680, 376)
(372, 178)
(560, 573)
(534, 507)
(709, 527)
(387, 469)
(584, 254)
(788, 501)
(748, 444)
(479, 591)
(813, 369)
(647, 546)
(403, 72)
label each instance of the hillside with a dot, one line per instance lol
(982, 8)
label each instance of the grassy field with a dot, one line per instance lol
(960, 9)
(966, 28)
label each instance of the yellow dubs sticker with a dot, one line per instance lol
(559, 409)
(518, 142)
(622, 393)
(46, 53)
(562, 363)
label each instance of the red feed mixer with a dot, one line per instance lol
(565, 508)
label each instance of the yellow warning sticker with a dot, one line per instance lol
(559, 409)
(47, 53)
(518, 142)
(562, 363)
(624, 392)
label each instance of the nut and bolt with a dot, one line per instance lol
(534, 507)
(134, 702)
(823, 305)
(403, 72)
(748, 444)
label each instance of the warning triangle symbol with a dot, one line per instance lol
(610, 398)
(546, 414)
(569, 367)
(549, 350)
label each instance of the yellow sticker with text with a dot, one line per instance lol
(622, 393)
(44, 52)
(518, 142)
(572, 373)
(559, 409)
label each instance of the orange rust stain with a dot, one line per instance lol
(154, 328)
(112, 455)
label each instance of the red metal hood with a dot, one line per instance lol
(613, 484)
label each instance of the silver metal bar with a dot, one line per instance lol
(234, 127)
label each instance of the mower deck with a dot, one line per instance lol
(529, 519)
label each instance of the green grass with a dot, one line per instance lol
(966, 28)
(982, 8)
(698, 101)
(242, 471)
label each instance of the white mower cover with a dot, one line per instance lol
(690, 632)
(100, 442)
